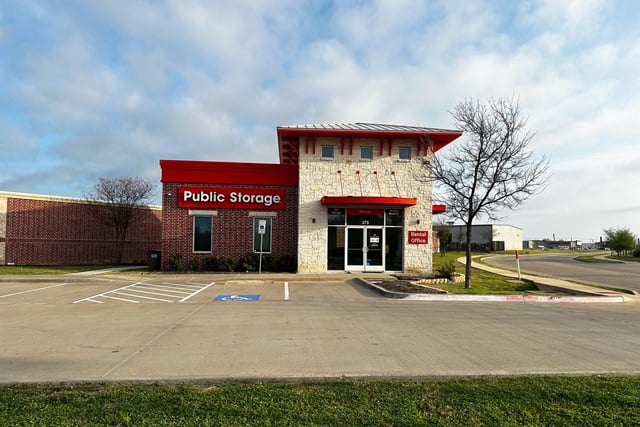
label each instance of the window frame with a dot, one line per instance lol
(322, 152)
(268, 236)
(405, 149)
(194, 246)
(366, 147)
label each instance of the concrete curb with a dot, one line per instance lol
(514, 298)
(490, 298)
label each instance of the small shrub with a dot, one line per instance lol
(194, 264)
(249, 262)
(226, 263)
(286, 264)
(176, 262)
(211, 263)
(447, 270)
(267, 262)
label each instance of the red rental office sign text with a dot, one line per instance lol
(230, 198)
(418, 237)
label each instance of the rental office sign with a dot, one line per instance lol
(192, 197)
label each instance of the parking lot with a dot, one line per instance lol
(195, 327)
(104, 290)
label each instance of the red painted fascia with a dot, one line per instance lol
(368, 201)
(202, 172)
(438, 209)
(440, 139)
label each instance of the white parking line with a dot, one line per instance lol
(149, 292)
(33, 290)
(197, 292)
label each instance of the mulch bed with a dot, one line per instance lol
(405, 286)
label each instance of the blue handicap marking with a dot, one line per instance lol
(238, 297)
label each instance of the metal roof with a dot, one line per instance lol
(364, 127)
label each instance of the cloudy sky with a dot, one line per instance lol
(94, 88)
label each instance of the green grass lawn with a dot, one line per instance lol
(482, 282)
(495, 401)
(47, 269)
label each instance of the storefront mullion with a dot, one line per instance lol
(365, 239)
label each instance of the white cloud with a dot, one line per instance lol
(108, 88)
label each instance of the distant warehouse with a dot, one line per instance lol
(486, 237)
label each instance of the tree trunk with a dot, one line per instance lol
(467, 267)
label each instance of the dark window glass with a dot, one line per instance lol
(202, 233)
(404, 153)
(336, 216)
(366, 153)
(393, 243)
(359, 217)
(335, 248)
(394, 217)
(327, 151)
(262, 233)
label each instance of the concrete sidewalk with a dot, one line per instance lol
(556, 285)
(572, 292)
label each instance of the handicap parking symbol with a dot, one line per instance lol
(238, 297)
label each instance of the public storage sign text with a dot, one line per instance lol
(230, 198)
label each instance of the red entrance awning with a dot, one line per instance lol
(438, 209)
(378, 201)
(369, 201)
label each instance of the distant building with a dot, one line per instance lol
(554, 244)
(486, 237)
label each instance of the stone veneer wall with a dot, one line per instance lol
(385, 176)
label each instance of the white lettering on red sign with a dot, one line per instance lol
(250, 198)
(418, 237)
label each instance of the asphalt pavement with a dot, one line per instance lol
(161, 327)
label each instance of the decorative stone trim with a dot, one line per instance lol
(457, 278)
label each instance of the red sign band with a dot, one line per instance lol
(231, 198)
(418, 237)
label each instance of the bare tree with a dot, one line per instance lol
(117, 202)
(492, 169)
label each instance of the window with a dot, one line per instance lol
(202, 227)
(366, 153)
(327, 152)
(262, 234)
(404, 153)
(336, 238)
(336, 216)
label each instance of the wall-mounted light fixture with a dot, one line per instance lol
(417, 221)
(313, 220)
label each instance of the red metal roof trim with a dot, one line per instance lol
(438, 209)
(234, 173)
(370, 201)
(288, 134)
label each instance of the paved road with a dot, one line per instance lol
(56, 331)
(618, 275)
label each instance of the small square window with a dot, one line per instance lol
(404, 153)
(327, 152)
(366, 153)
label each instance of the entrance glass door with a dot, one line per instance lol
(365, 249)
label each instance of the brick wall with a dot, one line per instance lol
(232, 228)
(42, 230)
